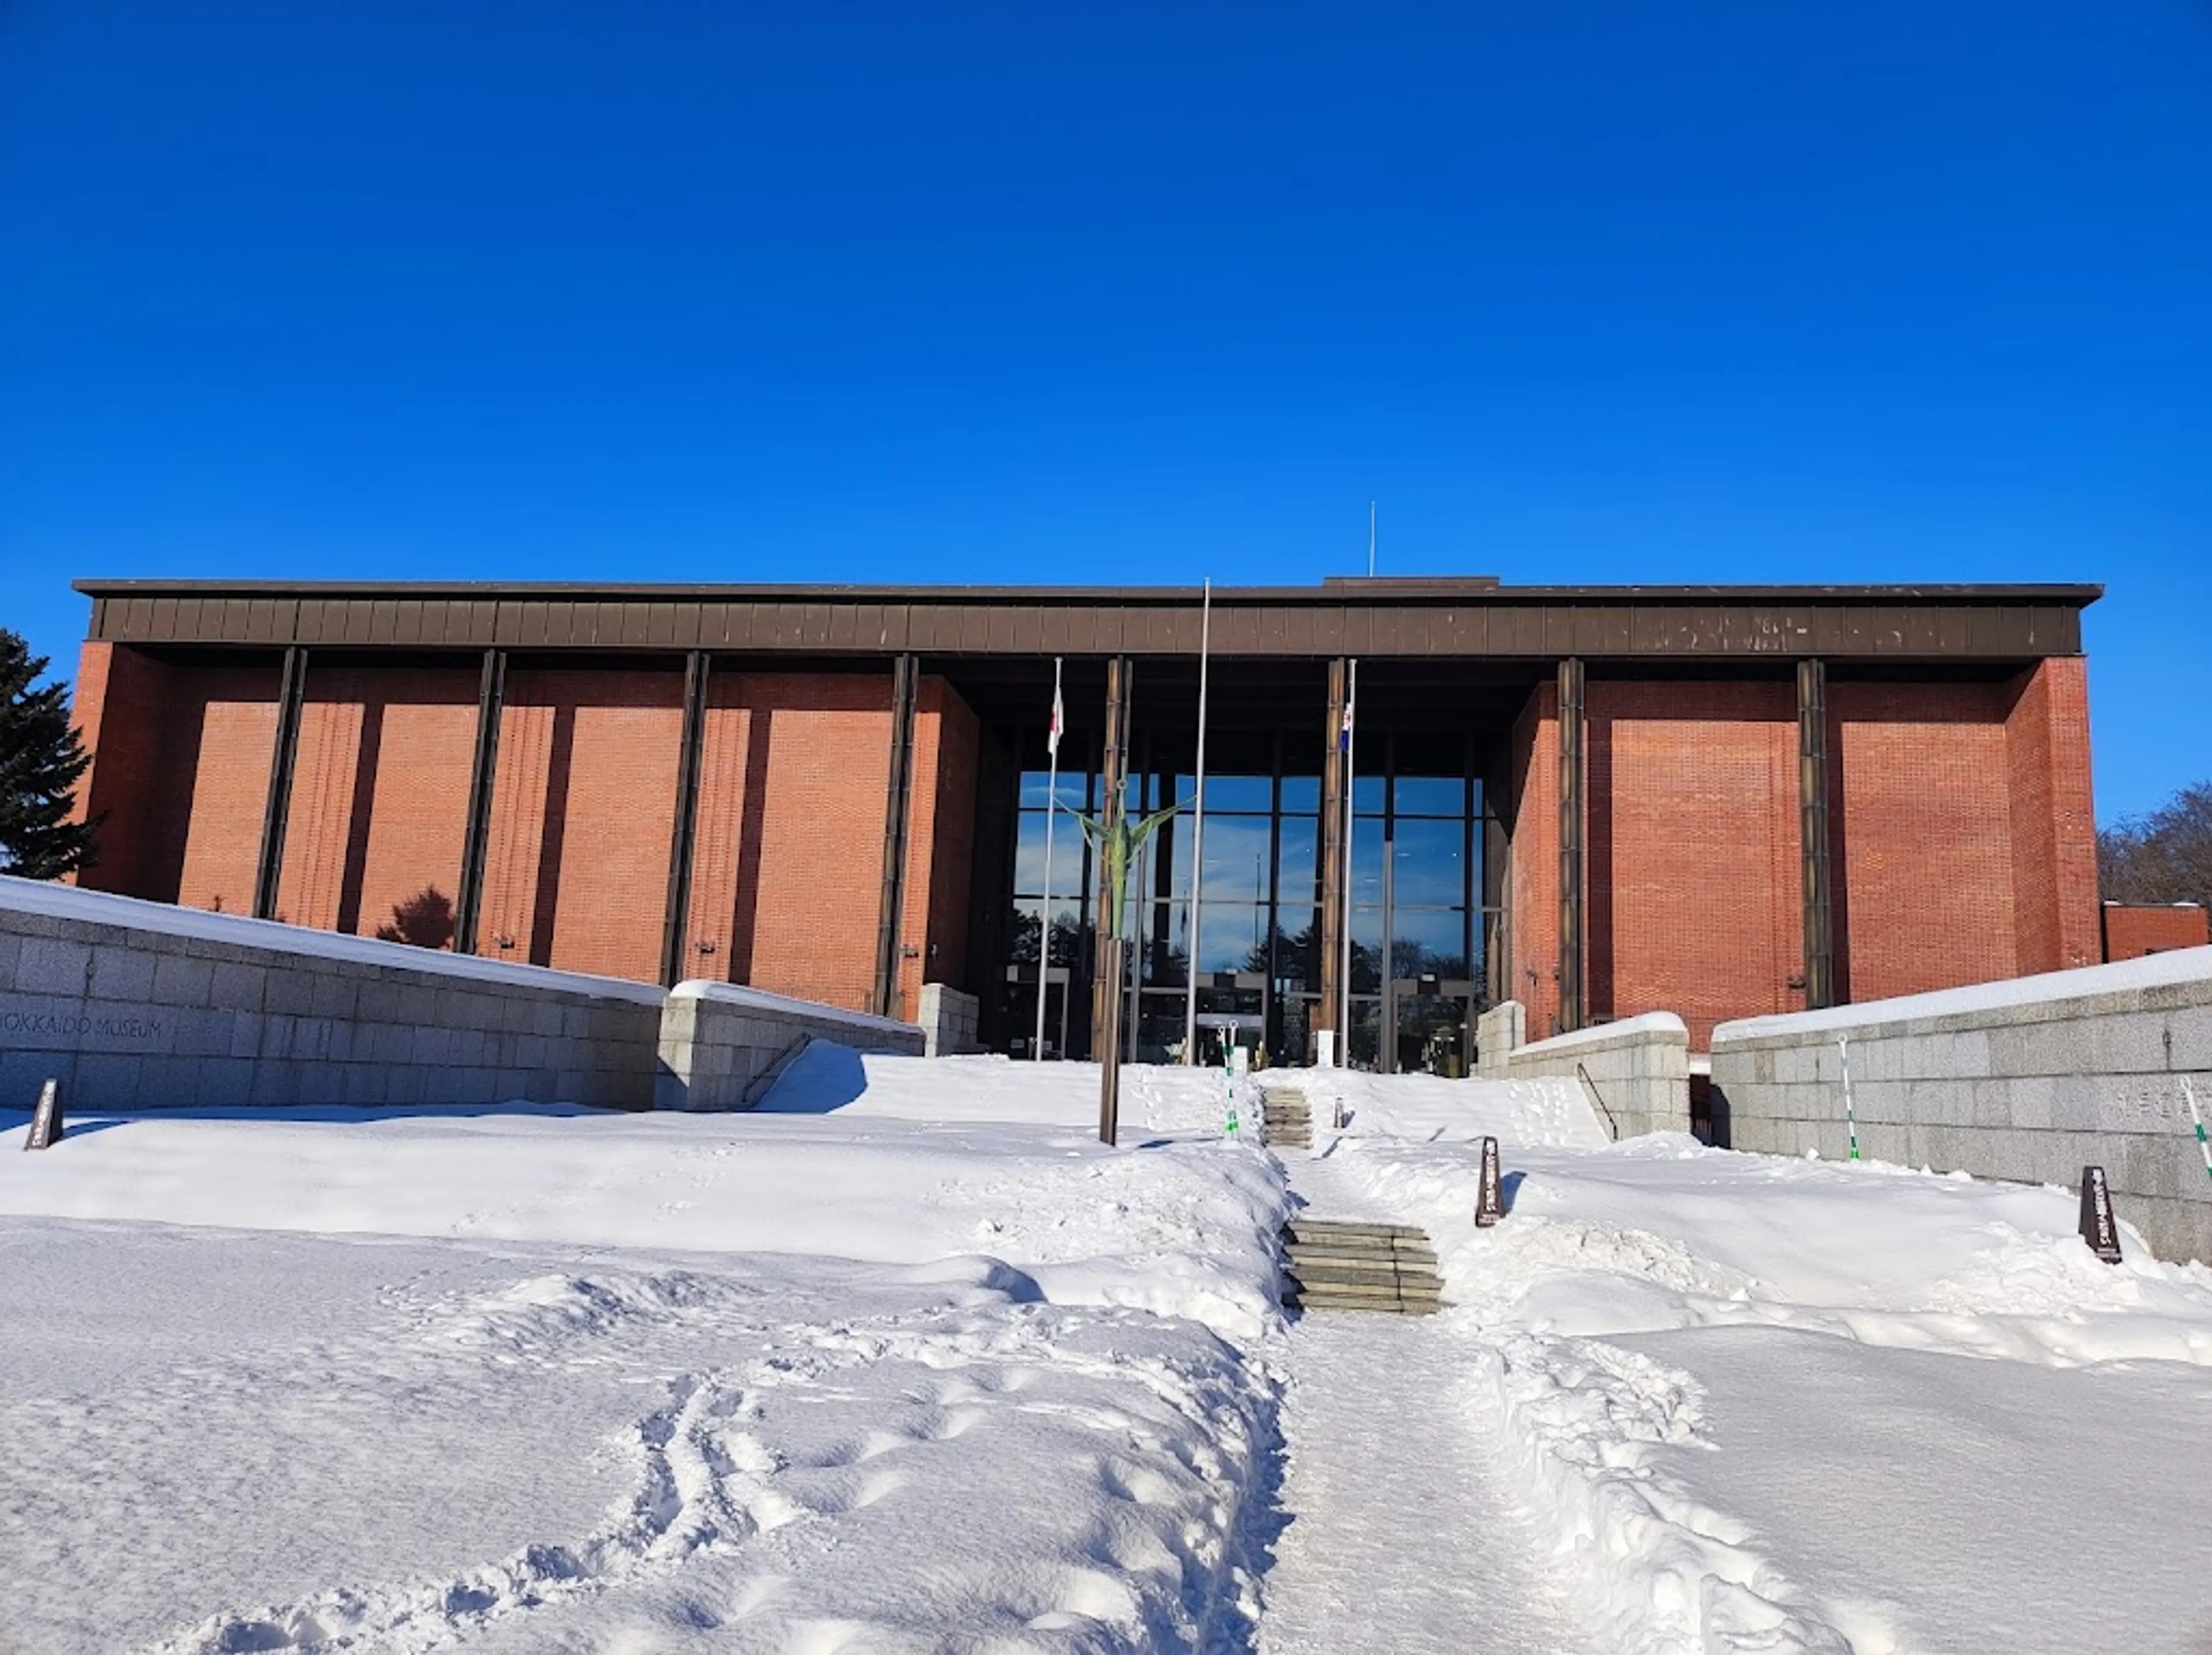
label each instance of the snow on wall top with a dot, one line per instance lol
(2180, 965)
(760, 1000)
(67, 902)
(1646, 1025)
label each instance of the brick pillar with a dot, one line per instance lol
(121, 705)
(2054, 823)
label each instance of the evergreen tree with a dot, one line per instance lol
(40, 762)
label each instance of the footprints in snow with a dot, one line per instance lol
(845, 1441)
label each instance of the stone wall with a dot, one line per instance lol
(1497, 1032)
(134, 1005)
(721, 1044)
(948, 1019)
(2029, 1080)
(1637, 1071)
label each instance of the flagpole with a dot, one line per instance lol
(1197, 834)
(1051, 810)
(1350, 743)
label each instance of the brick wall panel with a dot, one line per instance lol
(1927, 873)
(581, 817)
(418, 806)
(324, 765)
(1694, 891)
(794, 884)
(227, 722)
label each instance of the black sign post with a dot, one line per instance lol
(46, 1124)
(1489, 1206)
(2098, 1227)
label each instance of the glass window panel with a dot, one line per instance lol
(1232, 937)
(1367, 847)
(1430, 795)
(1160, 1027)
(1428, 944)
(1301, 862)
(1428, 864)
(1298, 940)
(1165, 942)
(1250, 794)
(1066, 932)
(1302, 794)
(1236, 858)
(1365, 1040)
(1066, 854)
(1036, 784)
(1367, 950)
(1480, 808)
(1367, 795)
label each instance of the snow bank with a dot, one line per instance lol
(2174, 967)
(1599, 1034)
(911, 1171)
(1426, 1109)
(1607, 1317)
(760, 1000)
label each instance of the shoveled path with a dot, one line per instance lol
(1401, 1537)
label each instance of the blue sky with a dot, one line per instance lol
(1626, 292)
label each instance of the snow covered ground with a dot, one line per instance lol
(1764, 1404)
(907, 1362)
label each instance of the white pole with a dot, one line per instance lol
(2203, 1145)
(1851, 1111)
(1051, 810)
(1350, 744)
(1197, 834)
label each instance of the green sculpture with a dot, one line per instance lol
(1116, 847)
(1116, 850)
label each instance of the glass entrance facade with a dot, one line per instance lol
(1423, 912)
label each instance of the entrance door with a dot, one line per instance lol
(1020, 1008)
(1431, 1022)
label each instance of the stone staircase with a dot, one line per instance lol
(1338, 1266)
(1285, 1119)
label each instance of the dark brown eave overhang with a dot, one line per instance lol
(1399, 617)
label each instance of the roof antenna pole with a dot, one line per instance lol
(1371, 539)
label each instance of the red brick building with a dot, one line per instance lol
(1757, 799)
(2135, 929)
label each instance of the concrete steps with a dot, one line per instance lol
(1344, 1266)
(1285, 1120)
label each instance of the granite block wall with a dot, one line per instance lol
(2029, 1080)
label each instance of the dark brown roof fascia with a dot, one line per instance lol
(1845, 623)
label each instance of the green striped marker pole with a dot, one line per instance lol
(1850, 1115)
(2190, 1093)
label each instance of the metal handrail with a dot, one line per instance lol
(1583, 1074)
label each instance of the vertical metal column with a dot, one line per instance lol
(476, 841)
(898, 803)
(1333, 914)
(1573, 1006)
(276, 812)
(675, 927)
(1111, 957)
(1813, 828)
